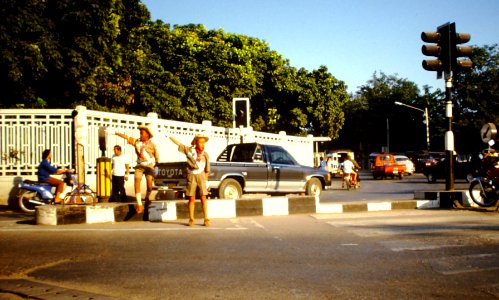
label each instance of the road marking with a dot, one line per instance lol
(463, 264)
(251, 221)
(348, 245)
(117, 229)
(256, 224)
(429, 243)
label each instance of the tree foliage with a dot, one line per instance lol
(109, 55)
(373, 121)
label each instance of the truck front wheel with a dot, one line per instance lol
(230, 189)
(314, 187)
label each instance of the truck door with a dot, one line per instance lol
(285, 174)
(249, 157)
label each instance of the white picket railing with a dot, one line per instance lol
(24, 134)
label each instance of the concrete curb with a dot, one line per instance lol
(447, 199)
(170, 210)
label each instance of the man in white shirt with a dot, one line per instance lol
(349, 166)
(121, 169)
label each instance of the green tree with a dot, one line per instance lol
(24, 36)
(476, 97)
(373, 120)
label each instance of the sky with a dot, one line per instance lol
(353, 39)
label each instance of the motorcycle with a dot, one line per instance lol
(349, 181)
(484, 188)
(34, 193)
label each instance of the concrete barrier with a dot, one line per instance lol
(170, 210)
(446, 199)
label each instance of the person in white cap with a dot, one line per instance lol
(197, 173)
(147, 158)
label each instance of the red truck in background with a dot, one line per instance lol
(384, 165)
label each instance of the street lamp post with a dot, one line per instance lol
(427, 121)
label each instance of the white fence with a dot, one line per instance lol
(24, 134)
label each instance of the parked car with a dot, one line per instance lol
(409, 165)
(251, 168)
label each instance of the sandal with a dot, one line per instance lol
(206, 223)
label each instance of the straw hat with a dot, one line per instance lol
(147, 129)
(197, 137)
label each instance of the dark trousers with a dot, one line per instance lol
(118, 192)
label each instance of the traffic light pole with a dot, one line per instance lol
(447, 51)
(449, 136)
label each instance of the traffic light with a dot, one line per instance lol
(460, 51)
(240, 110)
(446, 49)
(441, 50)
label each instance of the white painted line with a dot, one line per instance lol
(99, 214)
(59, 229)
(160, 211)
(469, 271)
(222, 209)
(427, 204)
(420, 248)
(329, 208)
(256, 224)
(277, 206)
(381, 206)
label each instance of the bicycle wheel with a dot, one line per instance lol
(483, 193)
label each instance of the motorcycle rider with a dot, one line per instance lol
(349, 165)
(45, 169)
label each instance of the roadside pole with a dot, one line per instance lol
(449, 136)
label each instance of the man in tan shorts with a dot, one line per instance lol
(197, 173)
(147, 158)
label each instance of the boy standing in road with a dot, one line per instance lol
(147, 158)
(121, 169)
(197, 173)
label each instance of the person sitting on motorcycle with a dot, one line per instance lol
(45, 169)
(356, 168)
(349, 165)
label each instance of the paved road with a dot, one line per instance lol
(385, 190)
(415, 254)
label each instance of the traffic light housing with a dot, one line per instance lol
(446, 49)
(241, 113)
(441, 50)
(460, 51)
